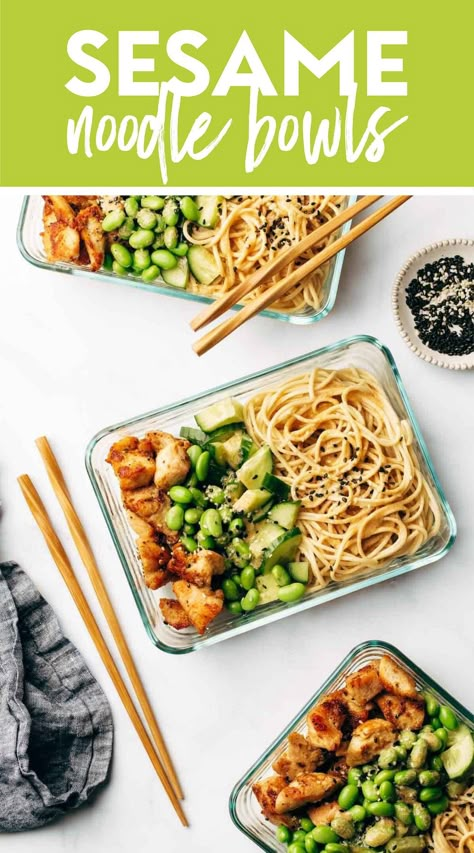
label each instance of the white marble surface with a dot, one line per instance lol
(70, 356)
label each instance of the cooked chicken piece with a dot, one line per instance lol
(139, 525)
(395, 679)
(364, 684)
(200, 605)
(266, 793)
(154, 558)
(300, 757)
(61, 208)
(325, 722)
(306, 788)
(356, 713)
(368, 740)
(172, 460)
(151, 504)
(133, 462)
(173, 614)
(339, 767)
(81, 201)
(402, 712)
(61, 240)
(325, 813)
(89, 225)
(198, 568)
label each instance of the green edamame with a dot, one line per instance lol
(141, 239)
(189, 529)
(380, 833)
(153, 202)
(283, 834)
(250, 600)
(324, 835)
(442, 735)
(431, 705)
(387, 758)
(210, 522)
(381, 809)
(370, 791)
(235, 607)
(113, 220)
(205, 541)
(428, 777)
(180, 250)
(192, 481)
(310, 845)
(141, 259)
(150, 273)
(118, 269)
(198, 497)
(237, 525)
(306, 824)
(127, 227)
(405, 777)
(357, 813)
(348, 797)
(171, 212)
(282, 577)
(438, 806)
(193, 514)
(131, 207)
(407, 738)
(189, 543)
(354, 775)
(171, 237)
(401, 752)
(427, 795)
(403, 813)
(163, 259)
(247, 578)
(298, 835)
(189, 208)
(432, 740)
(436, 763)
(180, 495)
(194, 453)
(121, 254)
(421, 817)
(202, 466)
(448, 718)
(296, 847)
(418, 754)
(160, 228)
(146, 219)
(343, 825)
(335, 847)
(175, 517)
(387, 791)
(291, 592)
(385, 776)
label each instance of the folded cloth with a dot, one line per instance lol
(56, 729)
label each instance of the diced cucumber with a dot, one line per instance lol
(276, 486)
(208, 210)
(251, 500)
(178, 276)
(232, 450)
(227, 411)
(459, 758)
(267, 533)
(195, 436)
(252, 473)
(248, 447)
(225, 432)
(202, 264)
(217, 451)
(233, 491)
(457, 734)
(268, 589)
(285, 514)
(262, 513)
(299, 571)
(216, 473)
(281, 550)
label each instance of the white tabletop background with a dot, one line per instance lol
(76, 356)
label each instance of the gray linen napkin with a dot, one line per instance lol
(56, 730)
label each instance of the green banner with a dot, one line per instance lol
(251, 95)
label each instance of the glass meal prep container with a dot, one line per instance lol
(360, 351)
(244, 808)
(30, 244)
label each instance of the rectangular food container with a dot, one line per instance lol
(30, 244)
(244, 808)
(360, 351)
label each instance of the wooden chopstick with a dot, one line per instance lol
(61, 559)
(276, 291)
(234, 296)
(85, 551)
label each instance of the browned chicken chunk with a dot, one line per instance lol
(306, 788)
(133, 461)
(172, 461)
(266, 793)
(368, 740)
(364, 684)
(402, 712)
(89, 224)
(201, 605)
(395, 679)
(154, 558)
(173, 614)
(61, 239)
(151, 504)
(356, 713)
(300, 757)
(325, 813)
(325, 723)
(197, 568)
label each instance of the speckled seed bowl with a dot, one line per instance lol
(403, 315)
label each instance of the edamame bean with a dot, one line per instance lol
(211, 523)
(194, 453)
(405, 777)
(418, 754)
(113, 220)
(171, 212)
(108, 261)
(189, 208)
(370, 791)
(141, 239)
(190, 529)
(202, 466)
(237, 525)
(171, 236)
(192, 480)
(401, 752)
(335, 847)
(387, 791)
(428, 777)
(225, 513)
(235, 607)
(189, 543)
(385, 776)
(141, 259)
(126, 228)
(387, 758)
(380, 833)
(427, 795)
(251, 599)
(306, 824)
(163, 259)
(354, 775)
(247, 578)
(433, 741)
(348, 797)
(216, 495)
(431, 705)
(436, 763)
(282, 577)
(146, 219)
(150, 273)
(131, 206)
(435, 722)
(298, 835)
(206, 542)
(192, 515)
(283, 834)
(198, 497)
(310, 845)
(291, 592)
(403, 813)
(296, 847)
(438, 806)
(175, 517)
(407, 738)
(160, 228)
(381, 809)
(121, 254)
(118, 269)
(421, 816)
(406, 845)
(180, 495)
(357, 813)
(442, 735)
(324, 834)
(448, 718)
(180, 250)
(153, 202)
(343, 825)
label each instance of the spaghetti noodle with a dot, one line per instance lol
(348, 457)
(453, 831)
(251, 232)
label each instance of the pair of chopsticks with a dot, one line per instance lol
(157, 751)
(278, 289)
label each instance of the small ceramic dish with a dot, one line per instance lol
(403, 316)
